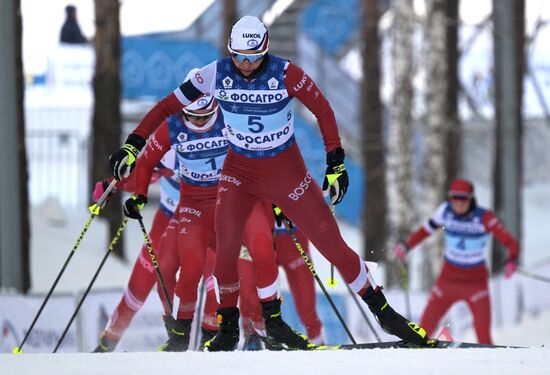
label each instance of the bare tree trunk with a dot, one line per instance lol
(22, 152)
(435, 129)
(229, 18)
(399, 154)
(374, 214)
(454, 136)
(14, 219)
(509, 41)
(106, 117)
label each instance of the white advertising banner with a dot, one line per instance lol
(146, 331)
(17, 313)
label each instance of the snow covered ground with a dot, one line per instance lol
(387, 361)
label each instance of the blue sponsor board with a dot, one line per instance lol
(153, 66)
(313, 150)
(331, 23)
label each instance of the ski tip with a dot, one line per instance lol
(332, 282)
(94, 209)
(444, 334)
(327, 347)
(17, 350)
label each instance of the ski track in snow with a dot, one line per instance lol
(381, 361)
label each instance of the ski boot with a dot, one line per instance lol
(391, 321)
(280, 332)
(227, 338)
(178, 336)
(206, 335)
(106, 345)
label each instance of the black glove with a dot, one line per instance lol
(133, 205)
(280, 218)
(336, 177)
(120, 160)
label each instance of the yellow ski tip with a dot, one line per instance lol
(332, 282)
(94, 209)
(17, 350)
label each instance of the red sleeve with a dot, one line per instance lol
(301, 86)
(151, 121)
(157, 146)
(416, 237)
(129, 184)
(122, 184)
(494, 226)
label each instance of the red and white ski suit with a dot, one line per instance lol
(464, 276)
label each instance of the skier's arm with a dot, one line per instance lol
(495, 227)
(121, 162)
(167, 106)
(430, 226)
(158, 145)
(420, 235)
(301, 86)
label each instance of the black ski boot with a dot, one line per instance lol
(227, 338)
(280, 332)
(206, 335)
(178, 335)
(105, 345)
(391, 321)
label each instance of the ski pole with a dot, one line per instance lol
(94, 210)
(332, 281)
(155, 265)
(354, 298)
(109, 251)
(198, 321)
(312, 269)
(405, 279)
(533, 275)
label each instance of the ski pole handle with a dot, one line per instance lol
(96, 207)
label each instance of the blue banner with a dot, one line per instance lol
(313, 150)
(152, 67)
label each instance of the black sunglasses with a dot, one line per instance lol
(459, 197)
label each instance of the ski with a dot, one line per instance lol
(433, 344)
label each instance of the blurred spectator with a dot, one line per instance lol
(70, 31)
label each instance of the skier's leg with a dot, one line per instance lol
(232, 209)
(167, 259)
(141, 282)
(439, 302)
(258, 239)
(249, 302)
(209, 325)
(480, 305)
(301, 282)
(194, 232)
(293, 189)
